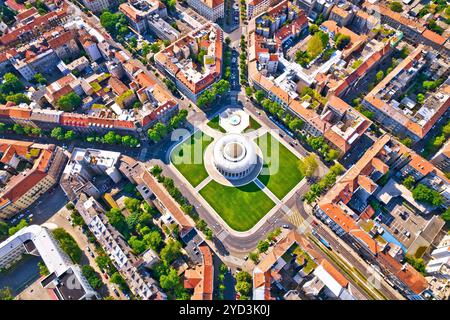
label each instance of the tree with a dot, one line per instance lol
(69, 102)
(17, 128)
(153, 240)
(11, 84)
(170, 280)
(104, 262)
(76, 218)
(36, 131)
(341, 41)
(120, 281)
(57, 133)
(132, 204)
(316, 44)
(22, 224)
(155, 47)
(68, 244)
(396, 6)
(69, 135)
(110, 137)
(308, 166)
(18, 98)
(420, 98)
(137, 245)
(332, 154)
(296, 124)
(379, 76)
(313, 28)
(407, 141)
(337, 169)
(3, 229)
(254, 256)
(409, 182)
(118, 221)
(446, 215)
(171, 251)
(243, 276)
(424, 194)
(39, 78)
(263, 246)
(6, 294)
(248, 91)
(92, 277)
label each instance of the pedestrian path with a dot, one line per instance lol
(267, 191)
(203, 183)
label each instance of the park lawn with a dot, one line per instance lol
(214, 123)
(193, 171)
(240, 207)
(283, 174)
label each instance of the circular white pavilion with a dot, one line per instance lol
(234, 156)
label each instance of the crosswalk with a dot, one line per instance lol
(295, 218)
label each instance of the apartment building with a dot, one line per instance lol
(65, 279)
(139, 12)
(347, 209)
(176, 63)
(32, 169)
(83, 166)
(413, 28)
(210, 9)
(117, 248)
(292, 260)
(256, 7)
(98, 5)
(442, 158)
(35, 28)
(399, 114)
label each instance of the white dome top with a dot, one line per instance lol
(234, 153)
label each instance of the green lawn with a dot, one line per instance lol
(254, 125)
(187, 162)
(214, 123)
(240, 207)
(283, 170)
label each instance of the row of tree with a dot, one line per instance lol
(324, 184)
(160, 130)
(217, 90)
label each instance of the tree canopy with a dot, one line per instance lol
(69, 102)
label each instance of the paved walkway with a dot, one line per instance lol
(266, 191)
(203, 183)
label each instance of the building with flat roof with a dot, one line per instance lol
(140, 12)
(32, 169)
(83, 166)
(65, 279)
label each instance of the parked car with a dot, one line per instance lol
(286, 226)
